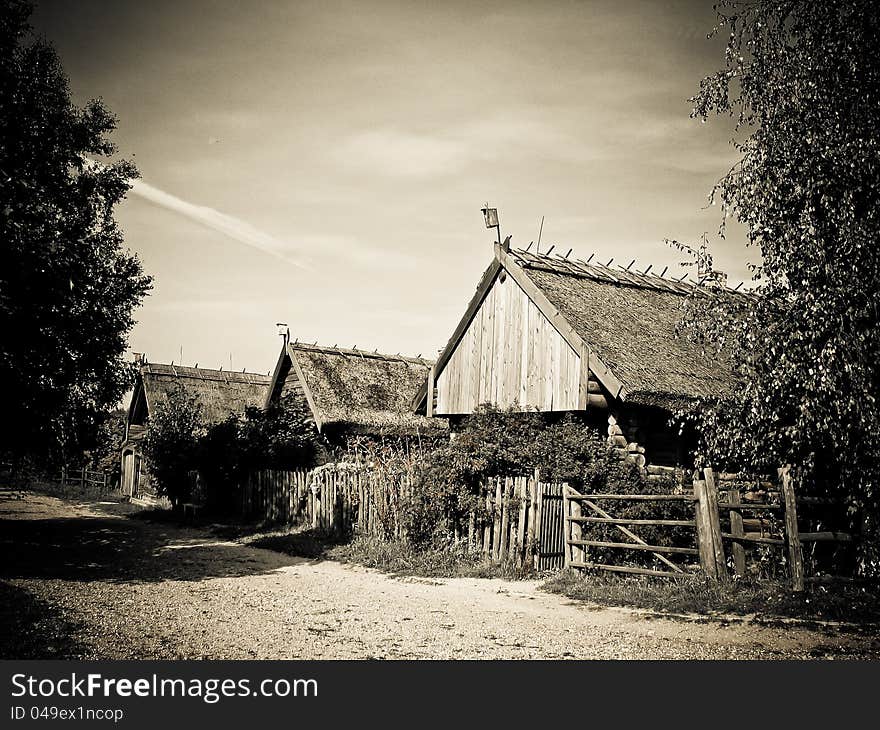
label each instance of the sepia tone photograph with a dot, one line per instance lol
(439, 330)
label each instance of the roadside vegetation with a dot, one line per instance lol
(767, 598)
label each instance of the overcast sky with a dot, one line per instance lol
(324, 164)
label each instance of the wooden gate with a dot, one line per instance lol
(583, 511)
(730, 515)
(550, 546)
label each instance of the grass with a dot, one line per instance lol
(396, 557)
(402, 558)
(697, 594)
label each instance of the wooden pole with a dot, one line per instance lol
(533, 506)
(715, 524)
(505, 520)
(704, 535)
(496, 533)
(792, 537)
(736, 529)
(578, 553)
(567, 523)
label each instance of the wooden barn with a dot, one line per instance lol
(221, 394)
(556, 335)
(353, 392)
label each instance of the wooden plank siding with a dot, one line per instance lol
(509, 355)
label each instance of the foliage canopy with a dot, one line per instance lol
(802, 81)
(67, 287)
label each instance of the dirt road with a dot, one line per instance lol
(84, 581)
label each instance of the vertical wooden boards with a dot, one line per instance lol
(539, 523)
(509, 355)
(522, 491)
(792, 535)
(487, 529)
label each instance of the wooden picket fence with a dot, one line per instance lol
(522, 522)
(85, 479)
(755, 511)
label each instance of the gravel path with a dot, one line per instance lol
(83, 580)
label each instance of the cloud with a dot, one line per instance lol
(400, 153)
(228, 225)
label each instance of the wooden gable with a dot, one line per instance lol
(509, 354)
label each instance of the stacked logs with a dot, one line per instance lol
(634, 452)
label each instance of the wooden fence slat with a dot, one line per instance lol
(505, 520)
(539, 526)
(496, 529)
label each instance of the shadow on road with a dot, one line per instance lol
(117, 549)
(33, 628)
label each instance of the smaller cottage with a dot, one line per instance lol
(352, 392)
(221, 394)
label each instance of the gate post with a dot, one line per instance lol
(704, 540)
(573, 530)
(715, 524)
(792, 536)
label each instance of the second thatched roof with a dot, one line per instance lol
(356, 390)
(220, 393)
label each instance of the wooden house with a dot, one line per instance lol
(556, 335)
(220, 393)
(353, 392)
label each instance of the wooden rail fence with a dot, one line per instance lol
(85, 478)
(755, 512)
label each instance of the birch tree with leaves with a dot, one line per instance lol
(802, 81)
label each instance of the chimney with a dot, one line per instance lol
(283, 332)
(137, 358)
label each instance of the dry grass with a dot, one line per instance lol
(396, 557)
(697, 594)
(402, 558)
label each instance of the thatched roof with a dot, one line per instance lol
(355, 389)
(628, 320)
(623, 319)
(221, 393)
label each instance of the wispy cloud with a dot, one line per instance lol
(234, 228)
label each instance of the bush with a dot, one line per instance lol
(279, 437)
(449, 483)
(171, 444)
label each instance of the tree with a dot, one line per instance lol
(67, 287)
(802, 81)
(171, 444)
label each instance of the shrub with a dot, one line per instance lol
(449, 482)
(171, 444)
(279, 437)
